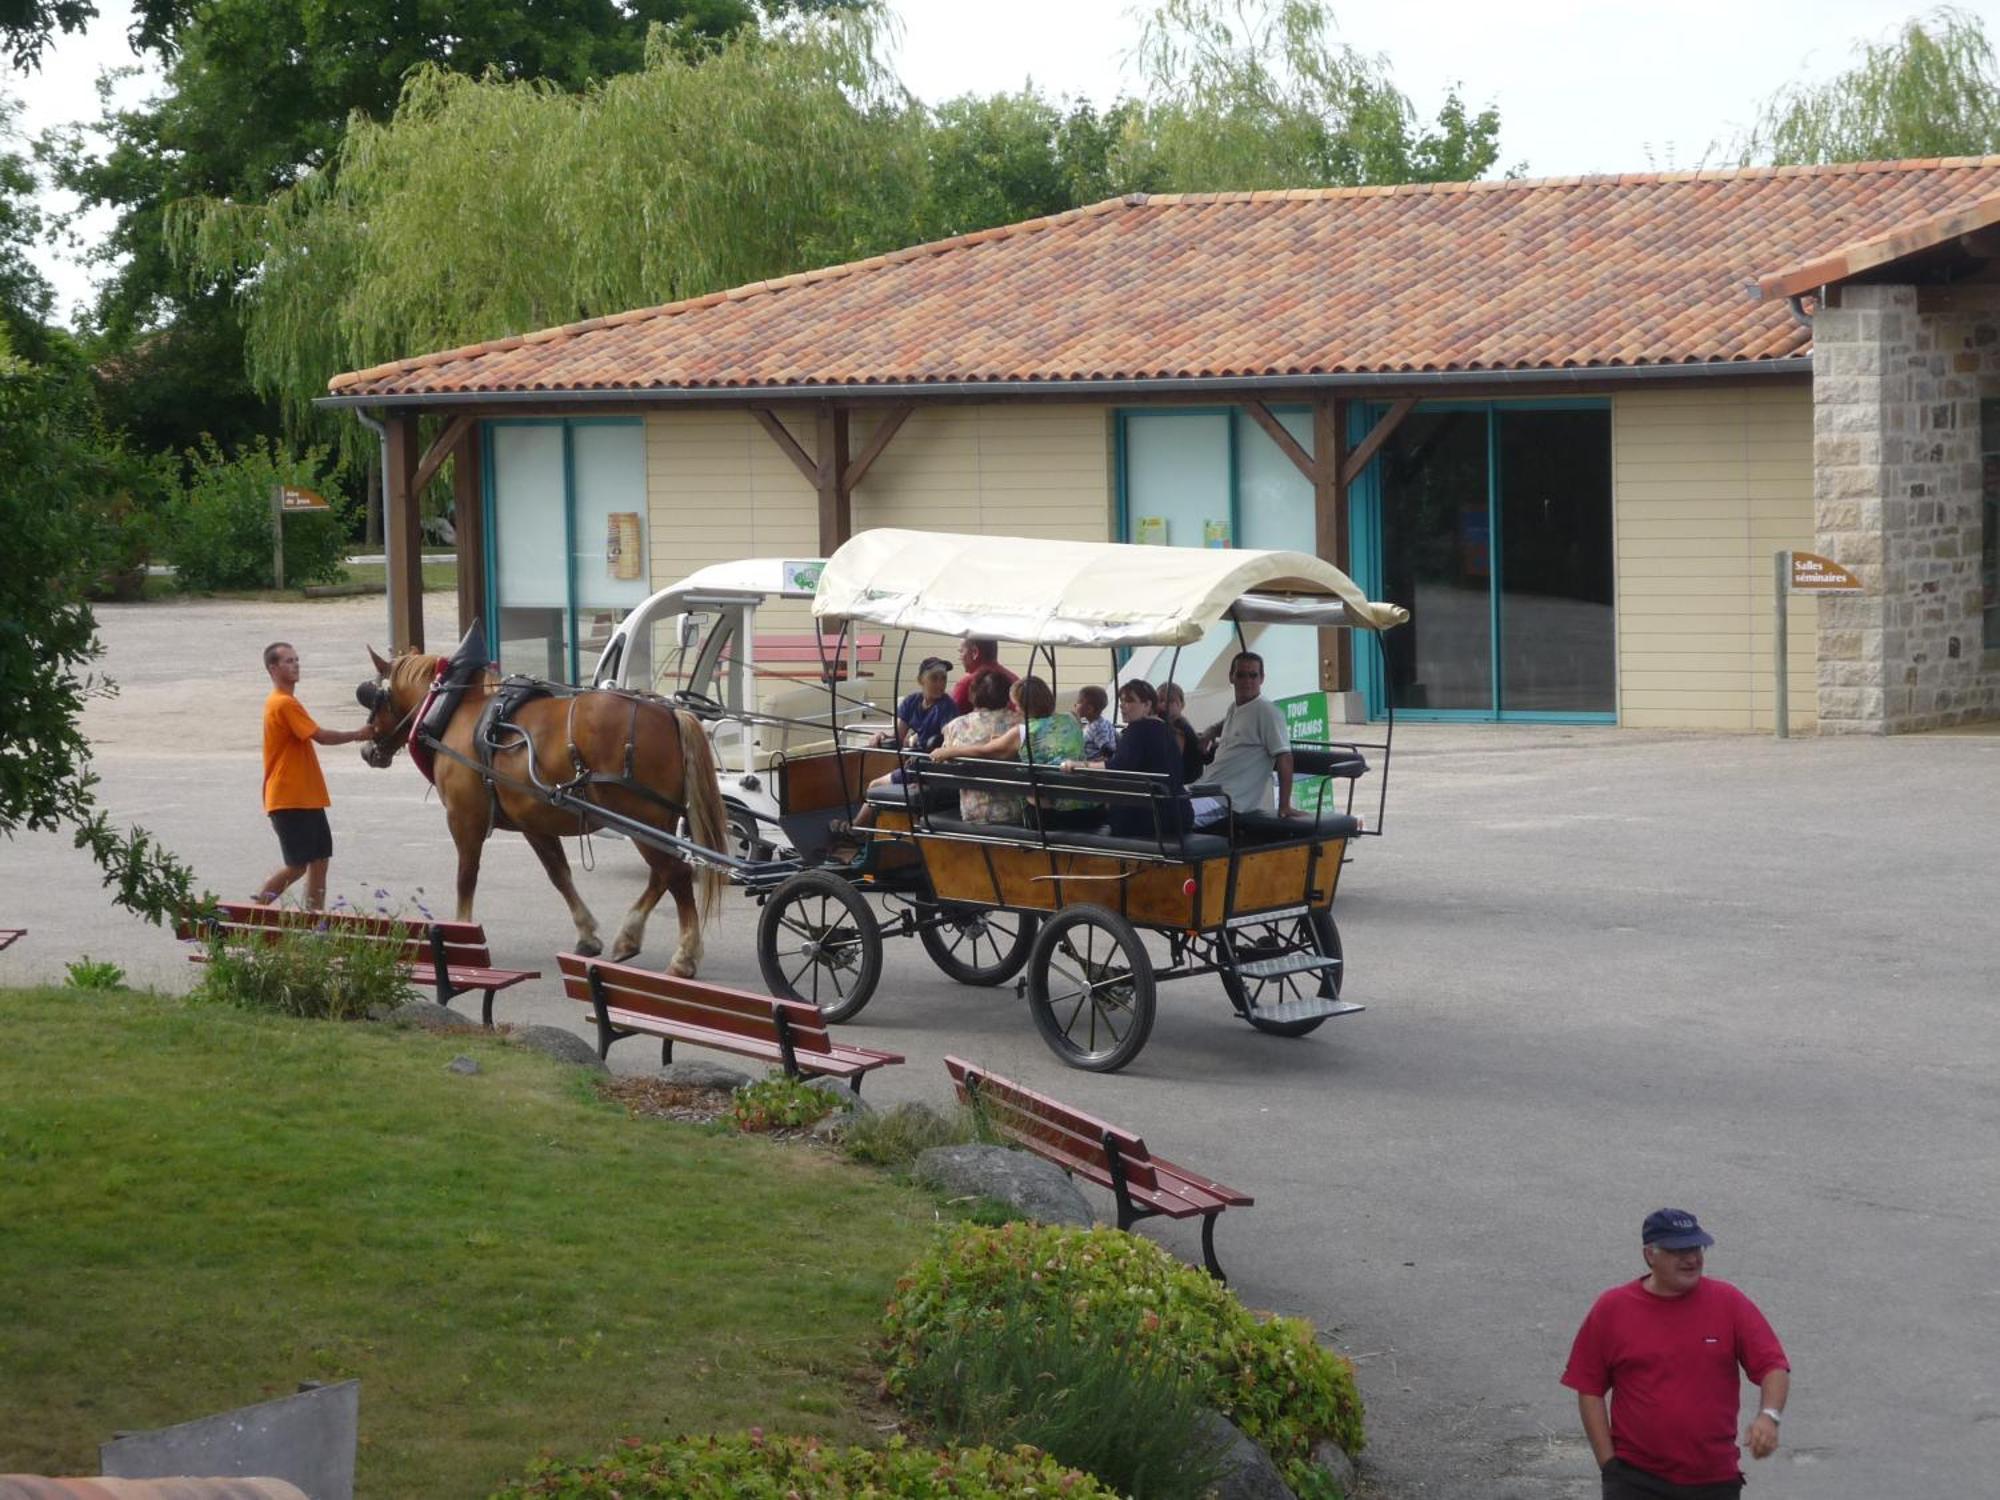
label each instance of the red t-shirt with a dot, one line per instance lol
(961, 691)
(1670, 1364)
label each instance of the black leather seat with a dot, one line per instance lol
(1269, 828)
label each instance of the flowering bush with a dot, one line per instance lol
(732, 1468)
(1267, 1375)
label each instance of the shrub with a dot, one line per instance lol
(218, 534)
(895, 1138)
(89, 973)
(1077, 1396)
(313, 973)
(1266, 1375)
(780, 1103)
(729, 1468)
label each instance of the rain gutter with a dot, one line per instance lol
(1442, 381)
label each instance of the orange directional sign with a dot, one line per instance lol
(1813, 574)
(297, 497)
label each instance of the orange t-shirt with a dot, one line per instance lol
(291, 765)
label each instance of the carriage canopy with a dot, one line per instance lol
(1059, 593)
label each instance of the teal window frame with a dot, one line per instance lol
(490, 531)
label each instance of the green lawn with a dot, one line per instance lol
(198, 1208)
(438, 576)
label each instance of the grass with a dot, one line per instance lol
(437, 577)
(202, 1207)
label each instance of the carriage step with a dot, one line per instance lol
(1311, 1008)
(1284, 963)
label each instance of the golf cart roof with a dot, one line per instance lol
(1057, 593)
(747, 578)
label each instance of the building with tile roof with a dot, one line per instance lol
(1569, 423)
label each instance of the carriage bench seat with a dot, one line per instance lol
(1190, 846)
(629, 1001)
(451, 958)
(1146, 1186)
(1269, 828)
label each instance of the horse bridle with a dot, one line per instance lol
(382, 748)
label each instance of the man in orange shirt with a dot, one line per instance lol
(294, 790)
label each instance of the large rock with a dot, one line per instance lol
(428, 1014)
(1333, 1458)
(1034, 1188)
(849, 1099)
(554, 1041)
(697, 1073)
(1247, 1470)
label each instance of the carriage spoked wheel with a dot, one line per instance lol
(1294, 958)
(977, 944)
(818, 941)
(1090, 988)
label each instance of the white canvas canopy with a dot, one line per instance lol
(1055, 593)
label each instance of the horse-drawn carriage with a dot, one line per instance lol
(1247, 899)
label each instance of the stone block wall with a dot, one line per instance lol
(1897, 381)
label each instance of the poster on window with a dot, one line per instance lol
(622, 559)
(1215, 534)
(1152, 531)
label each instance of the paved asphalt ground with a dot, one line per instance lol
(1605, 970)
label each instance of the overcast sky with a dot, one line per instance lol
(1581, 85)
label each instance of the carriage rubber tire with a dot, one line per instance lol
(1091, 926)
(746, 838)
(937, 944)
(1327, 936)
(819, 898)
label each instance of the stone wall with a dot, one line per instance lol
(1897, 380)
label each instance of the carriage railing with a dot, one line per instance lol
(1343, 760)
(927, 778)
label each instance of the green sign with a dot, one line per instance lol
(1307, 719)
(803, 577)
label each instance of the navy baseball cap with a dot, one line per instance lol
(1674, 1229)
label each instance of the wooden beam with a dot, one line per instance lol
(468, 511)
(787, 444)
(1366, 448)
(1288, 445)
(889, 426)
(402, 537)
(836, 506)
(1330, 531)
(440, 449)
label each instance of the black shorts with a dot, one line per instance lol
(1623, 1482)
(304, 835)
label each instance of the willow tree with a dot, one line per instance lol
(1931, 90)
(1245, 94)
(485, 207)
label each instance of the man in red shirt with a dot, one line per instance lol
(1670, 1345)
(978, 657)
(295, 795)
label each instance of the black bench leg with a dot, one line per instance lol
(606, 1032)
(1208, 1248)
(486, 1012)
(666, 1050)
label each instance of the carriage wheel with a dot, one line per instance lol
(746, 838)
(1090, 988)
(818, 941)
(1308, 932)
(978, 945)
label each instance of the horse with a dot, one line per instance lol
(633, 755)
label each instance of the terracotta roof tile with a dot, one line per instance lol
(1572, 273)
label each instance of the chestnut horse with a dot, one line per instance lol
(619, 736)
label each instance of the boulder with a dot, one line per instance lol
(697, 1074)
(425, 1013)
(1332, 1458)
(462, 1064)
(849, 1099)
(554, 1041)
(1034, 1188)
(1247, 1470)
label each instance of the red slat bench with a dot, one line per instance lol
(450, 957)
(629, 1001)
(9, 936)
(803, 654)
(1146, 1186)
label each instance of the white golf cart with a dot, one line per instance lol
(761, 685)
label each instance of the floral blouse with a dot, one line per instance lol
(976, 805)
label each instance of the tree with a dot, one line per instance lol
(1933, 90)
(1248, 96)
(25, 296)
(1005, 157)
(27, 25)
(488, 206)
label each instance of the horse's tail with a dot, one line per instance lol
(708, 820)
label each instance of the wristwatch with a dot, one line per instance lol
(1774, 1414)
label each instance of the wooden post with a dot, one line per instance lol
(468, 509)
(836, 503)
(1330, 529)
(402, 536)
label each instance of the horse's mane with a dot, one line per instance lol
(412, 670)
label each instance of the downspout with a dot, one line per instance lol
(381, 430)
(1798, 306)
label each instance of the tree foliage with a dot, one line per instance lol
(25, 296)
(1931, 90)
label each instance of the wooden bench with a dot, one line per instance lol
(628, 1001)
(9, 936)
(450, 957)
(803, 654)
(1146, 1186)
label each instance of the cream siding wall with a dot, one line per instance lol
(1706, 485)
(719, 488)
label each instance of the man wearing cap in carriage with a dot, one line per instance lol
(1667, 1349)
